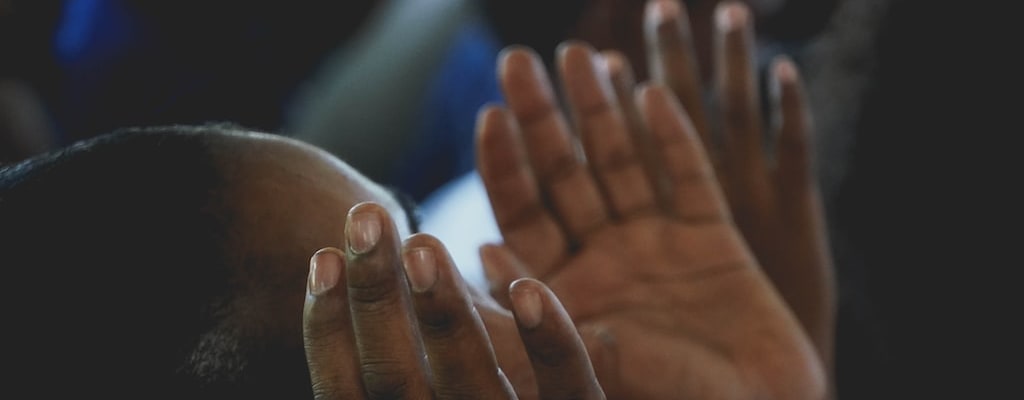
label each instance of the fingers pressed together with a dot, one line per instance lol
(385, 319)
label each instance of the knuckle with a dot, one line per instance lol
(383, 381)
(326, 391)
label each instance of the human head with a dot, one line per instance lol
(169, 262)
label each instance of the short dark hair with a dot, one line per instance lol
(116, 276)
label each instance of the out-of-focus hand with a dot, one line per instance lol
(372, 331)
(650, 257)
(768, 180)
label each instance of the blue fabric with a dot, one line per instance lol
(125, 63)
(89, 29)
(443, 148)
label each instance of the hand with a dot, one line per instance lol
(773, 196)
(648, 256)
(373, 331)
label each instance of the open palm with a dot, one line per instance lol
(650, 257)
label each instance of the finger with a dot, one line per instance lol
(556, 351)
(673, 60)
(624, 84)
(508, 349)
(327, 330)
(562, 175)
(461, 357)
(793, 171)
(603, 131)
(806, 284)
(501, 268)
(695, 194)
(742, 156)
(525, 223)
(390, 353)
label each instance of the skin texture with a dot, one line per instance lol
(625, 318)
(285, 200)
(649, 257)
(391, 320)
(675, 248)
(773, 195)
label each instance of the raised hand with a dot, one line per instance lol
(650, 257)
(372, 331)
(768, 180)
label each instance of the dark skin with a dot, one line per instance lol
(667, 284)
(705, 356)
(585, 227)
(386, 319)
(670, 278)
(773, 196)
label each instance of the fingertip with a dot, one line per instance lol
(334, 250)
(643, 88)
(487, 112)
(731, 16)
(527, 304)
(514, 52)
(491, 119)
(785, 70)
(497, 272)
(574, 48)
(325, 270)
(489, 254)
(514, 57)
(500, 263)
(660, 12)
(427, 261)
(420, 267)
(364, 226)
(490, 115)
(575, 55)
(651, 94)
(784, 76)
(615, 59)
(615, 62)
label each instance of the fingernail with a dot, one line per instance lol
(363, 231)
(528, 307)
(421, 268)
(662, 11)
(785, 71)
(612, 64)
(324, 270)
(731, 17)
